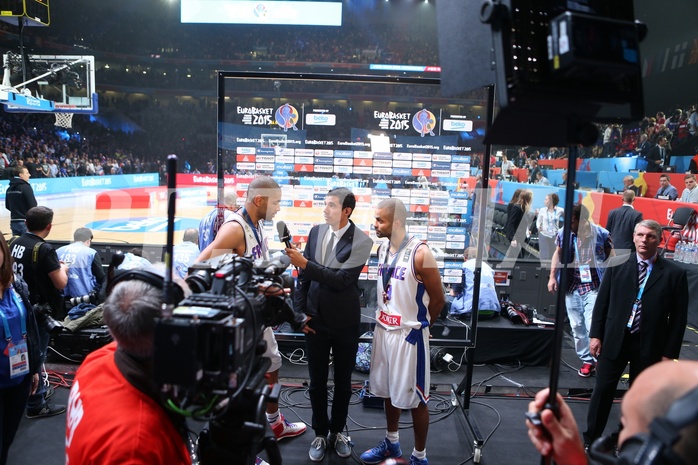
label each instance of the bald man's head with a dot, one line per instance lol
(651, 395)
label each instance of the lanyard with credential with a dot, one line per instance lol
(388, 272)
(577, 256)
(22, 318)
(257, 234)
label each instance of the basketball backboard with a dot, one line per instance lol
(29, 12)
(68, 81)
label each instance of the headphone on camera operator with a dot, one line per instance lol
(656, 446)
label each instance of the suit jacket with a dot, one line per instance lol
(621, 224)
(671, 192)
(652, 157)
(514, 216)
(664, 308)
(331, 293)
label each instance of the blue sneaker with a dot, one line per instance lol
(415, 461)
(382, 451)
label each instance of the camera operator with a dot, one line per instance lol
(115, 414)
(85, 272)
(37, 263)
(242, 233)
(648, 398)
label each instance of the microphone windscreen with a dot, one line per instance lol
(283, 231)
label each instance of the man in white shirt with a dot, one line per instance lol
(690, 193)
(507, 167)
(541, 180)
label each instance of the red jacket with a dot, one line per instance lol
(109, 421)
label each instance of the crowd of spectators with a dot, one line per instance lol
(48, 152)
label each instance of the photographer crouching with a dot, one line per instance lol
(85, 271)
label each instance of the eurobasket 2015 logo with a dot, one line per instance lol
(260, 11)
(286, 117)
(424, 122)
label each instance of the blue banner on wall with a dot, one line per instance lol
(53, 186)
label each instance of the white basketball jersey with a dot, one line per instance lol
(257, 247)
(404, 302)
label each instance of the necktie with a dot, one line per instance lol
(642, 273)
(328, 250)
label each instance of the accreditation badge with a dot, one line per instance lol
(585, 273)
(19, 359)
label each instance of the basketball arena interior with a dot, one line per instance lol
(420, 100)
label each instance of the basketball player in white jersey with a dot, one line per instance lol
(242, 233)
(410, 297)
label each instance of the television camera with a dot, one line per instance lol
(208, 353)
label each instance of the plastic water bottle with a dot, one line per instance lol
(679, 251)
(694, 254)
(684, 252)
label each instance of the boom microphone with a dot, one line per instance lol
(284, 233)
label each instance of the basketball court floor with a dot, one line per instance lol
(141, 227)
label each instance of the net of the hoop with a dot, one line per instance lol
(64, 120)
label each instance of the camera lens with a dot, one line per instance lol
(199, 281)
(84, 299)
(54, 326)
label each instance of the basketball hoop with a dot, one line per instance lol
(64, 120)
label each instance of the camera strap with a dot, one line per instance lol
(35, 250)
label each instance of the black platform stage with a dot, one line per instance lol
(501, 395)
(498, 340)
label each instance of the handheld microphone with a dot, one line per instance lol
(284, 233)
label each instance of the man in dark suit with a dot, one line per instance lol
(656, 156)
(328, 293)
(533, 171)
(639, 317)
(621, 224)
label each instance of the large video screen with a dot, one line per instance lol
(380, 136)
(279, 12)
